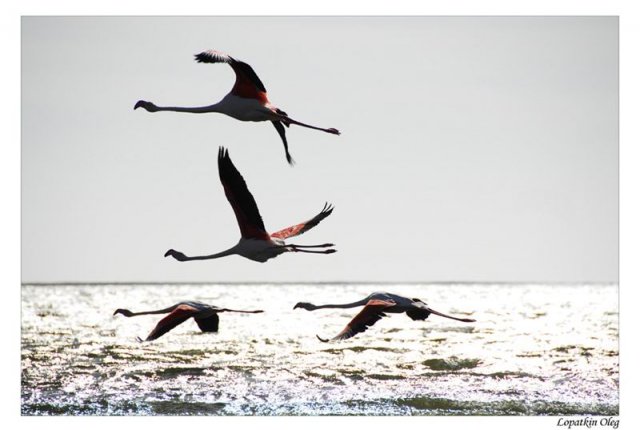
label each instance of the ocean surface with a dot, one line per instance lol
(534, 350)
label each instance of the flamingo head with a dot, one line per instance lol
(175, 254)
(305, 305)
(148, 106)
(125, 312)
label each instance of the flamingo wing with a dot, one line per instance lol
(247, 85)
(368, 316)
(418, 314)
(422, 312)
(241, 200)
(179, 315)
(297, 229)
(208, 324)
(281, 132)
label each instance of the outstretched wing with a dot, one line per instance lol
(241, 200)
(281, 131)
(208, 324)
(418, 314)
(297, 229)
(247, 85)
(422, 312)
(179, 315)
(368, 316)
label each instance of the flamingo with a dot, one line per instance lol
(255, 243)
(247, 100)
(206, 317)
(376, 306)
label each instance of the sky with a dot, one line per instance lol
(472, 149)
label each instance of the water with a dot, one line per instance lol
(535, 350)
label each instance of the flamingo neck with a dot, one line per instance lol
(163, 311)
(230, 251)
(201, 109)
(344, 305)
(128, 313)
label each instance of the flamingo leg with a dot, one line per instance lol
(326, 251)
(324, 245)
(244, 312)
(297, 248)
(287, 120)
(451, 317)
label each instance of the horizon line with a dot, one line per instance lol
(77, 283)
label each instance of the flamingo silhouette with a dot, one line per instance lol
(255, 243)
(247, 100)
(376, 306)
(206, 316)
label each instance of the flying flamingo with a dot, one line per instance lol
(255, 243)
(376, 306)
(206, 317)
(247, 100)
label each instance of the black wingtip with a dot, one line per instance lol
(328, 208)
(213, 56)
(322, 340)
(204, 57)
(223, 157)
(169, 252)
(283, 136)
(222, 152)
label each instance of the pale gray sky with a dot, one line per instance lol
(473, 149)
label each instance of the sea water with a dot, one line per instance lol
(534, 350)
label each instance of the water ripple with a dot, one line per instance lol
(533, 352)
